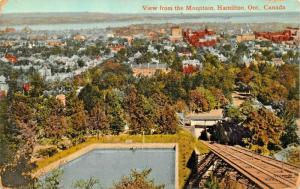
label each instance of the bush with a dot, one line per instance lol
(48, 152)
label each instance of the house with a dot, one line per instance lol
(3, 84)
(201, 121)
(151, 49)
(194, 63)
(2, 94)
(169, 48)
(115, 48)
(45, 72)
(10, 30)
(278, 62)
(148, 69)
(61, 98)
(205, 38)
(56, 43)
(185, 53)
(137, 55)
(245, 37)
(79, 37)
(152, 36)
(278, 37)
(11, 58)
(26, 87)
(176, 34)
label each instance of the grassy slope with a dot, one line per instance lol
(187, 143)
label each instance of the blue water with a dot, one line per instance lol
(110, 165)
(279, 18)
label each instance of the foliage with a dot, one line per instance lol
(202, 100)
(38, 84)
(48, 152)
(137, 180)
(264, 129)
(90, 183)
(293, 156)
(98, 120)
(212, 183)
(50, 182)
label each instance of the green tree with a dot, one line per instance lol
(137, 180)
(212, 183)
(80, 63)
(98, 120)
(113, 104)
(201, 100)
(265, 130)
(79, 121)
(90, 95)
(53, 181)
(167, 120)
(91, 183)
(140, 112)
(38, 84)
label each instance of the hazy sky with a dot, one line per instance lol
(122, 6)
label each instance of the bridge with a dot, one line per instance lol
(255, 171)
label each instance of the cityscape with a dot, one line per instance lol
(149, 102)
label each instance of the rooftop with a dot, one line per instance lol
(212, 115)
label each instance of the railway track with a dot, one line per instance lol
(264, 171)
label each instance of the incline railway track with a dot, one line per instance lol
(263, 171)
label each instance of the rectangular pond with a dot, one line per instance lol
(110, 165)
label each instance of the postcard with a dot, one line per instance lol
(149, 94)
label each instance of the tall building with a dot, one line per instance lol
(203, 38)
(176, 34)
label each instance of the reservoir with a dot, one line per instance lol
(111, 164)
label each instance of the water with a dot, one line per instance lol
(110, 165)
(216, 19)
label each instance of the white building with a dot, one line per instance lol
(3, 84)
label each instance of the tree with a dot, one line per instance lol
(293, 155)
(91, 183)
(52, 181)
(212, 183)
(80, 63)
(90, 95)
(53, 119)
(114, 111)
(201, 100)
(38, 84)
(272, 92)
(219, 97)
(173, 86)
(167, 120)
(55, 127)
(79, 122)
(245, 75)
(265, 130)
(98, 120)
(137, 180)
(289, 135)
(140, 111)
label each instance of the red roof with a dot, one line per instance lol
(194, 37)
(11, 58)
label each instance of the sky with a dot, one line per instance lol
(123, 6)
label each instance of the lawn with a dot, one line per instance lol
(186, 142)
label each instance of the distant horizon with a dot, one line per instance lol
(136, 6)
(145, 13)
